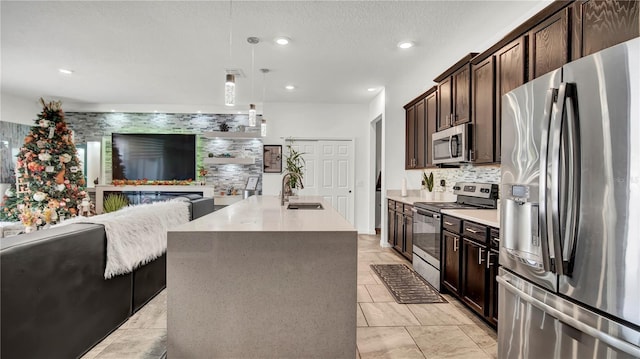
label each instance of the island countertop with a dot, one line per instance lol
(257, 280)
(265, 214)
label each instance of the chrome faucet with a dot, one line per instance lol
(284, 181)
(286, 188)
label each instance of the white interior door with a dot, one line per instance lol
(329, 172)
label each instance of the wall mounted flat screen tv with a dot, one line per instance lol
(153, 156)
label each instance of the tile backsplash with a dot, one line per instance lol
(466, 173)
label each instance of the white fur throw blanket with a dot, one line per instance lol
(136, 235)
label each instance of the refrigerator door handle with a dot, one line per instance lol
(573, 171)
(553, 185)
(548, 252)
(614, 342)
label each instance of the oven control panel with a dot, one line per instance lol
(480, 190)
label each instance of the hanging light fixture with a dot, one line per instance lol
(252, 115)
(230, 90)
(263, 123)
(252, 107)
(230, 81)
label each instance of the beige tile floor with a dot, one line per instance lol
(385, 329)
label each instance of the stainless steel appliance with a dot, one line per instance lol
(451, 145)
(427, 222)
(570, 218)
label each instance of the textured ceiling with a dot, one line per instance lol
(176, 52)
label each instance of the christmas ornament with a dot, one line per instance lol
(49, 169)
(65, 158)
(73, 169)
(41, 143)
(44, 157)
(60, 187)
(60, 177)
(39, 196)
(44, 123)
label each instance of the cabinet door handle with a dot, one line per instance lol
(480, 253)
(489, 259)
(452, 119)
(455, 244)
(471, 230)
(448, 223)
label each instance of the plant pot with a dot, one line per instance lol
(429, 196)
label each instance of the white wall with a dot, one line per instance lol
(18, 109)
(331, 121)
(377, 108)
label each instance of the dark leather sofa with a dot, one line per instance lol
(55, 302)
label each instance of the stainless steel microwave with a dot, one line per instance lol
(451, 145)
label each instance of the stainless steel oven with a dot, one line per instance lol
(426, 245)
(451, 145)
(427, 222)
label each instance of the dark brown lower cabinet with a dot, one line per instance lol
(470, 265)
(400, 228)
(474, 276)
(451, 265)
(399, 232)
(391, 223)
(493, 287)
(407, 247)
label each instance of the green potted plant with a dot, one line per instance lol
(427, 182)
(294, 167)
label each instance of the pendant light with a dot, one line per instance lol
(252, 107)
(230, 90)
(230, 80)
(263, 123)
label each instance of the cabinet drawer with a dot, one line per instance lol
(391, 204)
(408, 210)
(399, 206)
(451, 224)
(475, 231)
(494, 238)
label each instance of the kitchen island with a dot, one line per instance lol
(257, 280)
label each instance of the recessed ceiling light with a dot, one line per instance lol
(371, 89)
(282, 40)
(155, 111)
(199, 111)
(290, 87)
(65, 71)
(239, 112)
(405, 44)
(113, 110)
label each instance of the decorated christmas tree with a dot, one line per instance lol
(49, 181)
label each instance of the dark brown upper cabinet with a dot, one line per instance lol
(549, 44)
(410, 137)
(454, 94)
(432, 117)
(510, 73)
(483, 109)
(420, 124)
(597, 25)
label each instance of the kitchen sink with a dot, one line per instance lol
(305, 205)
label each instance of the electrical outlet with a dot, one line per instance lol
(443, 183)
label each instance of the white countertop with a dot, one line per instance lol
(264, 214)
(489, 217)
(412, 198)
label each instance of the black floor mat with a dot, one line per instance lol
(406, 286)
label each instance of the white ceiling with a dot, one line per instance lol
(176, 52)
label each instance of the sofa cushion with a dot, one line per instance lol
(54, 300)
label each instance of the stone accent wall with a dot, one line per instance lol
(11, 140)
(93, 126)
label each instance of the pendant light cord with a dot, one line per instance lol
(230, 30)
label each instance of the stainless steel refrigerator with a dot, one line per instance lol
(569, 286)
